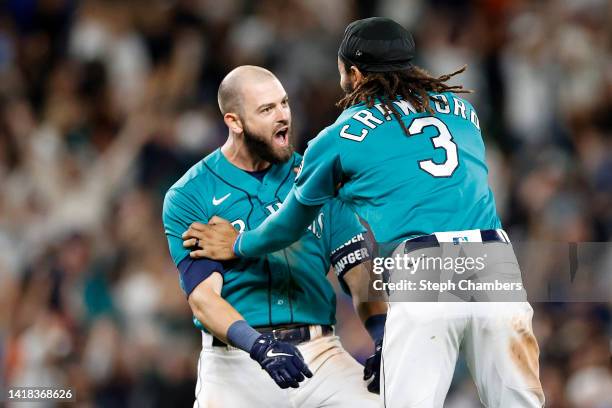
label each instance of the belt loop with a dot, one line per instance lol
(315, 331)
(207, 340)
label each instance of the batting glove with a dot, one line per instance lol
(371, 370)
(283, 361)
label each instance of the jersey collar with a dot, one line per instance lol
(275, 175)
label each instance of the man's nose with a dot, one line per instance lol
(283, 114)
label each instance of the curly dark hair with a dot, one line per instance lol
(412, 84)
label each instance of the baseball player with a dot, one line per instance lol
(278, 308)
(408, 156)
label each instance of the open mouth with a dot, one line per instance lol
(281, 136)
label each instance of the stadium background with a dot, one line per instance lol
(103, 104)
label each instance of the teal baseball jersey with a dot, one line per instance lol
(433, 179)
(287, 286)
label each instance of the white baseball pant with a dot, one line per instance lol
(228, 377)
(422, 341)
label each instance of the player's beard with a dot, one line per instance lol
(258, 146)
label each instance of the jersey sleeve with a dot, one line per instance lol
(179, 212)
(345, 224)
(348, 241)
(320, 171)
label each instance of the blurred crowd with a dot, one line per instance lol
(105, 103)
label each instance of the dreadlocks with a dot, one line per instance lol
(412, 85)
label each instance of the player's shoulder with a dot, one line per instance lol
(355, 123)
(346, 116)
(194, 182)
(324, 140)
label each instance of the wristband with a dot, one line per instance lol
(241, 335)
(375, 325)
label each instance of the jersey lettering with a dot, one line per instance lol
(239, 225)
(441, 104)
(444, 140)
(317, 226)
(405, 106)
(383, 111)
(272, 208)
(367, 118)
(459, 108)
(475, 120)
(350, 136)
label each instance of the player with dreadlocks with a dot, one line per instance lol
(408, 156)
(414, 84)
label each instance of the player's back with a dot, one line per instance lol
(432, 180)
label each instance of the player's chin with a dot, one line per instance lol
(287, 153)
(283, 153)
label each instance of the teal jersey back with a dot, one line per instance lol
(434, 179)
(288, 286)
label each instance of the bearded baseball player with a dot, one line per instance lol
(277, 309)
(407, 154)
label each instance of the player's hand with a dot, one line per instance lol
(283, 361)
(371, 370)
(214, 240)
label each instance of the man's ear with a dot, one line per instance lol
(233, 122)
(356, 76)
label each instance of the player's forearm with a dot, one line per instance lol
(370, 306)
(219, 317)
(279, 230)
(214, 312)
(365, 310)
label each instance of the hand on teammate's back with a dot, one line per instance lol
(371, 370)
(282, 361)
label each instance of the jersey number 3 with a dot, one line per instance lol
(444, 140)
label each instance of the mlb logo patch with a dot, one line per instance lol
(458, 240)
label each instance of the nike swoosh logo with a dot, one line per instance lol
(222, 199)
(270, 353)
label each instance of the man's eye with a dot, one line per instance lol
(266, 110)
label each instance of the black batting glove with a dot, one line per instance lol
(371, 371)
(283, 361)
